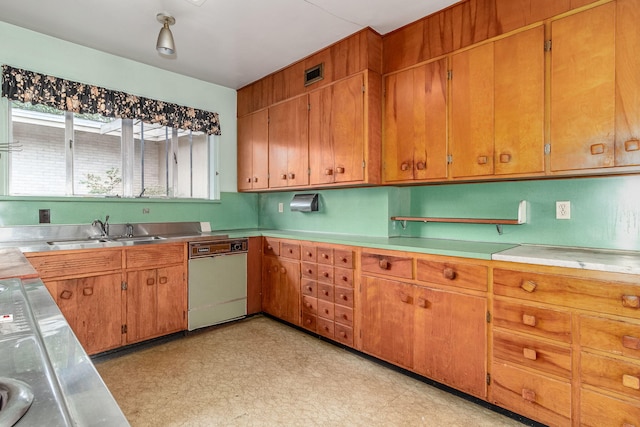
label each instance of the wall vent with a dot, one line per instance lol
(314, 74)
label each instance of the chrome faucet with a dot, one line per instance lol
(129, 230)
(104, 226)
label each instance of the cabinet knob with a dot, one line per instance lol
(630, 301)
(529, 320)
(87, 292)
(404, 166)
(423, 303)
(309, 271)
(528, 286)
(325, 274)
(505, 158)
(290, 250)
(310, 288)
(631, 381)
(328, 172)
(344, 316)
(339, 170)
(343, 334)
(529, 353)
(249, 180)
(326, 293)
(269, 247)
(597, 149)
(66, 294)
(309, 254)
(292, 175)
(283, 176)
(343, 297)
(343, 260)
(449, 273)
(632, 343)
(632, 145)
(421, 166)
(405, 298)
(150, 281)
(307, 321)
(528, 395)
(326, 311)
(483, 160)
(308, 305)
(325, 256)
(163, 280)
(255, 179)
(344, 278)
(383, 264)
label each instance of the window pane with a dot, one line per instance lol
(193, 162)
(39, 168)
(97, 155)
(151, 159)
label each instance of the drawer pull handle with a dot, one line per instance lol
(248, 180)
(308, 321)
(529, 320)
(405, 298)
(631, 381)
(309, 271)
(326, 328)
(310, 288)
(326, 293)
(283, 176)
(482, 160)
(328, 172)
(505, 158)
(421, 166)
(630, 301)
(630, 342)
(339, 169)
(528, 395)
(343, 259)
(404, 166)
(449, 273)
(529, 353)
(632, 145)
(325, 274)
(344, 297)
(269, 247)
(342, 334)
(528, 286)
(255, 179)
(308, 305)
(345, 278)
(326, 311)
(292, 175)
(597, 149)
(151, 281)
(66, 294)
(290, 250)
(325, 256)
(163, 280)
(283, 270)
(423, 303)
(309, 254)
(384, 264)
(87, 292)
(345, 317)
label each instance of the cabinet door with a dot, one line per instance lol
(281, 289)
(93, 309)
(172, 297)
(288, 144)
(519, 103)
(253, 152)
(583, 90)
(450, 339)
(336, 132)
(472, 112)
(142, 305)
(628, 84)
(387, 320)
(415, 125)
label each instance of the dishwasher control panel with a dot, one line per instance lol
(217, 247)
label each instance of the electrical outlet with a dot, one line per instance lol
(280, 207)
(44, 216)
(563, 210)
(146, 210)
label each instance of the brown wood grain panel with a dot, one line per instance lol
(612, 336)
(389, 265)
(462, 275)
(538, 321)
(288, 143)
(343, 258)
(610, 374)
(77, 263)
(254, 275)
(155, 255)
(597, 410)
(404, 47)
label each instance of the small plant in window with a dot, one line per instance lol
(99, 185)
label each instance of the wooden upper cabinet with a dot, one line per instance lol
(337, 132)
(253, 151)
(583, 89)
(627, 141)
(472, 112)
(519, 103)
(288, 143)
(415, 123)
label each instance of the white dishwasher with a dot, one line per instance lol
(217, 282)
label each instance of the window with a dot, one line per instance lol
(64, 154)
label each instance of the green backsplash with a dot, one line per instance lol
(605, 211)
(234, 210)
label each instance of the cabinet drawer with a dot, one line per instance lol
(543, 322)
(309, 305)
(308, 253)
(325, 273)
(610, 335)
(74, 264)
(325, 309)
(290, 250)
(325, 327)
(325, 291)
(343, 315)
(309, 287)
(388, 265)
(325, 255)
(343, 334)
(343, 277)
(271, 246)
(467, 276)
(535, 396)
(610, 374)
(155, 256)
(597, 295)
(343, 258)
(309, 321)
(309, 270)
(597, 410)
(532, 353)
(344, 296)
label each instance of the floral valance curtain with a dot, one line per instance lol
(28, 86)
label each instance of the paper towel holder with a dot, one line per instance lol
(304, 203)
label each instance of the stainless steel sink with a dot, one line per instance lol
(137, 238)
(15, 400)
(77, 241)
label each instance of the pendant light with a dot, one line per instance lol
(165, 44)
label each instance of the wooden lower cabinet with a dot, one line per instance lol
(597, 410)
(281, 288)
(93, 307)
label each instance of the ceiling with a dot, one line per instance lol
(226, 42)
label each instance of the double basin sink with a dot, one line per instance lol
(91, 240)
